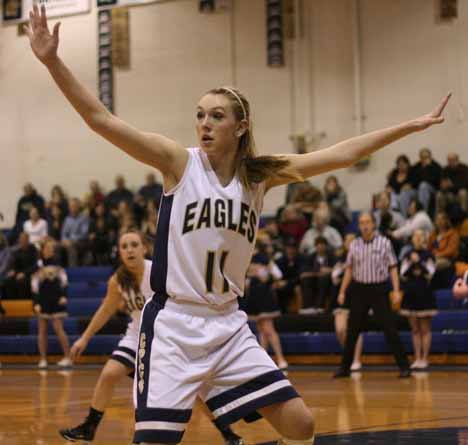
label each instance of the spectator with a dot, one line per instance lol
(5, 260)
(426, 175)
(49, 287)
(55, 222)
(341, 311)
(35, 227)
(400, 186)
(23, 265)
(57, 197)
(418, 219)
(95, 192)
(288, 287)
(306, 198)
(29, 199)
(315, 278)
(277, 240)
(320, 227)
(102, 235)
(292, 223)
(125, 217)
(337, 201)
(370, 263)
(386, 219)
(152, 190)
(419, 305)
(444, 243)
(139, 209)
(150, 221)
(75, 234)
(119, 194)
(453, 185)
(261, 305)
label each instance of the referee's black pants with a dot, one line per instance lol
(375, 296)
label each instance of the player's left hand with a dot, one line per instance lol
(434, 117)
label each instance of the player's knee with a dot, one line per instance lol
(303, 428)
(306, 427)
(110, 375)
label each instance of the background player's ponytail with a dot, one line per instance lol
(253, 169)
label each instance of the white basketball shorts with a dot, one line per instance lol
(125, 352)
(190, 350)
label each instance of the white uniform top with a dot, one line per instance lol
(206, 235)
(136, 301)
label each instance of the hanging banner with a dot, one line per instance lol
(17, 11)
(104, 4)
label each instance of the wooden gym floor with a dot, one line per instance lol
(372, 407)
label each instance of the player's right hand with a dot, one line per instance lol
(78, 347)
(43, 43)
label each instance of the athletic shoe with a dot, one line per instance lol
(65, 363)
(84, 432)
(341, 374)
(356, 366)
(42, 363)
(405, 373)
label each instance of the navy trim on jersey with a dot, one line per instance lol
(248, 409)
(159, 266)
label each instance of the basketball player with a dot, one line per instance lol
(193, 339)
(128, 289)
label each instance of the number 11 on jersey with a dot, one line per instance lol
(210, 264)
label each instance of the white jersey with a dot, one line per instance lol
(136, 301)
(206, 235)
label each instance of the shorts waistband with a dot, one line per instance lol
(201, 310)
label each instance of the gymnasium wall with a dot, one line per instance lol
(407, 63)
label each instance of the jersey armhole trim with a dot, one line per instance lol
(174, 189)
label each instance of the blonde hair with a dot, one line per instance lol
(253, 169)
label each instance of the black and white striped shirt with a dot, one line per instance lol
(370, 261)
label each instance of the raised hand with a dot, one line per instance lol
(43, 43)
(434, 117)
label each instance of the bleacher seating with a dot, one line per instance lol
(299, 334)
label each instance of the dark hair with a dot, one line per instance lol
(321, 240)
(253, 169)
(403, 158)
(417, 204)
(125, 277)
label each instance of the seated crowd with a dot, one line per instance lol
(300, 256)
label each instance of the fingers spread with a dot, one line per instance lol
(28, 31)
(43, 17)
(56, 29)
(31, 21)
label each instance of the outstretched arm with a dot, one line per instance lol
(152, 149)
(108, 307)
(346, 153)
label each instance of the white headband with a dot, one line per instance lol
(238, 99)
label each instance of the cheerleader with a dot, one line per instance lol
(49, 288)
(341, 312)
(419, 304)
(261, 304)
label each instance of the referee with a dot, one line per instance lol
(370, 262)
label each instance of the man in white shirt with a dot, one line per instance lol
(320, 227)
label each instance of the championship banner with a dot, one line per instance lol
(17, 11)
